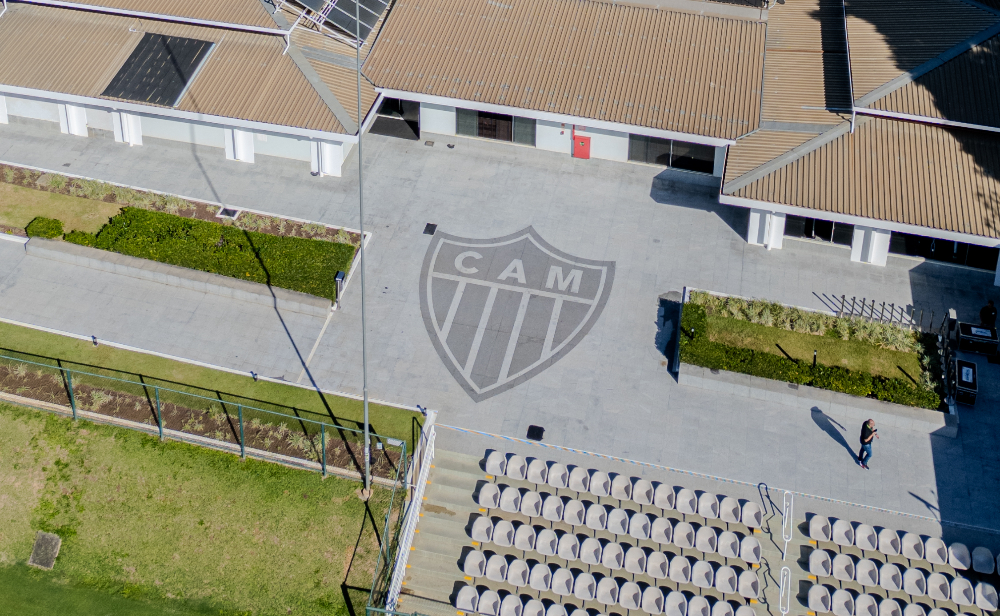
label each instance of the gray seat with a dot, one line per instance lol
(531, 504)
(496, 463)
(722, 608)
(475, 564)
(597, 517)
(568, 547)
(986, 597)
(642, 492)
(982, 560)
(938, 587)
(574, 513)
(517, 573)
(912, 546)
(652, 600)
(702, 574)
(657, 564)
(750, 550)
(547, 542)
(467, 599)
(914, 582)
(533, 607)
(489, 603)
(726, 580)
(555, 610)
(618, 521)
(489, 496)
(914, 609)
(562, 582)
(745, 610)
(675, 604)
(553, 508)
(607, 591)
(585, 587)
(889, 543)
(579, 479)
(630, 596)
(959, 557)
(819, 528)
(635, 560)
(729, 545)
(866, 572)
(818, 599)
(664, 497)
(843, 533)
(540, 578)
(661, 531)
(517, 467)
(889, 607)
(842, 603)
(510, 500)
(639, 526)
(496, 568)
(511, 606)
(865, 538)
(684, 535)
(524, 538)
(843, 568)
(679, 570)
(938, 612)
(748, 585)
(600, 484)
(962, 592)
(699, 606)
(729, 510)
(935, 551)
(503, 534)
(558, 476)
(686, 502)
(708, 506)
(613, 556)
(865, 605)
(538, 471)
(706, 540)
(591, 550)
(890, 578)
(621, 487)
(820, 563)
(482, 530)
(752, 516)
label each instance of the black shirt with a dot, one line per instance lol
(988, 316)
(866, 433)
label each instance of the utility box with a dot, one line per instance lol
(966, 382)
(977, 339)
(581, 146)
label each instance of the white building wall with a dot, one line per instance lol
(35, 110)
(870, 245)
(239, 145)
(187, 132)
(72, 120)
(127, 127)
(554, 136)
(439, 119)
(766, 229)
(99, 119)
(3, 109)
(605, 144)
(720, 162)
(327, 158)
(269, 144)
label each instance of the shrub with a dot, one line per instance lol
(57, 182)
(92, 189)
(8, 175)
(44, 227)
(82, 238)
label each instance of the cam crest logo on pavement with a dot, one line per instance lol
(500, 311)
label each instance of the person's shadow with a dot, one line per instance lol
(832, 427)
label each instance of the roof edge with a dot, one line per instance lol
(895, 115)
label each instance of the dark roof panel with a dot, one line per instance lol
(159, 70)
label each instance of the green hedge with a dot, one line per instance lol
(292, 263)
(44, 227)
(697, 349)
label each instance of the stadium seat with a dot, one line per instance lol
(842, 603)
(597, 517)
(748, 585)
(819, 528)
(962, 592)
(562, 582)
(843, 533)
(652, 600)
(698, 606)
(621, 488)
(729, 510)
(489, 603)
(982, 560)
(888, 542)
(503, 534)
(818, 599)
(722, 608)
(675, 604)
(613, 556)
(938, 612)
(986, 597)
(912, 546)
(890, 578)
(517, 467)
(585, 587)
(496, 568)
(729, 545)
(568, 547)
(591, 550)
(546, 542)
(600, 484)
(553, 508)
(752, 516)
(708, 506)
(664, 497)
(531, 504)
(558, 476)
(510, 500)
(524, 538)
(865, 605)
(684, 535)
(618, 521)
(467, 599)
(706, 540)
(657, 564)
(511, 606)
(556, 609)
(866, 572)
(914, 582)
(745, 610)
(538, 471)
(642, 492)
(639, 526)
(496, 463)
(938, 587)
(540, 578)
(579, 479)
(607, 591)
(533, 607)
(475, 564)
(686, 502)
(914, 609)
(661, 531)
(702, 574)
(843, 568)
(574, 513)
(750, 550)
(889, 607)
(726, 580)
(630, 596)
(635, 560)
(959, 557)
(820, 563)
(482, 530)
(935, 551)
(489, 496)
(865, 538)
(679, 570)
(517, 573)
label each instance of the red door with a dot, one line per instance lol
(581, 146)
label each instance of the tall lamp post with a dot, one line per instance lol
(361, 214)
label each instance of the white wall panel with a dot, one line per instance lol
(606, 144)
(438, 119)
(553, 136)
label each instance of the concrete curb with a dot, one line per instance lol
(830, 402)
(176, 276)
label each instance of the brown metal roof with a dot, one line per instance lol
(626, 64)
(243, 12)
(895, 171)
(343, 84)
(759, 147)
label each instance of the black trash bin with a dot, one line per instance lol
(966, 381)
(977, 339)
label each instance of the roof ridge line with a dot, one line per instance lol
(935, 62)
(790, 156)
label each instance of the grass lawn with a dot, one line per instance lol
(851, 354)
(74, 354)
(19, 205)
(168, 528)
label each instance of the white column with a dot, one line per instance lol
(870, 245)
(327, 158)
(3, 109)
(720, 167)
(440, 119)
(72, 120)
(239, 145)
(128, 128)
(757, 229)
(996, 277)
(775, 230)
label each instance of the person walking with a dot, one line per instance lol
(868, 434)
(988, 315)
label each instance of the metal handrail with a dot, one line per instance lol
(785, 591)
(787, 524)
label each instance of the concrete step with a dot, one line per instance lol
(428, 607)
(443, 527)
(458, 461)
(458, 479)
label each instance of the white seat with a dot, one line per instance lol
(819, 528)
(517, 467)
(684, 535)
(496, 568)
(489, 603)
(706, 540)
(725, 580)
(568, 547)
(687, 502)
(962, 592)
(618, 521)
(533, 607)
(546, 542)
(912, 546)
(708, 506)
(467, 599)
(531, 504)
(642, 492)
(574, 513)
(745, 610)
(698, 606)
(866, 572)
(661, 531)
(590, 551)
(635, 560)
(475, 564)
(511, 606)
(959, 557)
(538, 471)
(729, 545)
(482, 530)
(986, 597)
(843, 533)
(729, 510)
(562, 582)
(935, 551)
(843, 568)
(865, 537)
(510, 500)
(938, 612)
(558, 475)
(555, 610)
(914, 609)
(663, 496)
(748, 585)
(702, 574)
(866, 605)
(489, 496)
(652, 600)
(600, 484)
(750, 550)
(503, 534)
(553, 508)
(982, 560)
(639, 526)
(585, 587)
(607, 591)
(818, 599)
(597, 517)
(890, 578)
(889, 607)
(657, 564)
(496, 463)
(888, 542)
(540, 578)
(842, 603)
(579, 479)
(752, 516)
(613, 556)
(722, 608)
(680, 570)
(938, 587)
(630, 596)
(675, 604)
(820, 563)
(517, 573)
(914, 582)
(524, 538)
(621, 487)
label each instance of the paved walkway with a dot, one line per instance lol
(611, 393)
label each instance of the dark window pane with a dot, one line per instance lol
(391, 107)
(983, 257)
(948, 251)
(843, 234)
(524, 131)
(658, 152)
(823, 230)
(495, 126)
(637, 148)
(468, 122)
(795, 226)
(693, 157)
(910, 245)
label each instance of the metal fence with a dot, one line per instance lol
(217, 422)
(872, 310)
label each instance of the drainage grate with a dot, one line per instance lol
(430, 143)
(430, 228)
(228, 212)
(535, 433)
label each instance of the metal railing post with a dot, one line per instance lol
(159, 416)
(787, 525)
(785, 591)
(322, 447)
(72, 398)
(243, 447)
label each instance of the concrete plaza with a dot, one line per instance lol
(612, 393)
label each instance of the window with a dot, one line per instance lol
(524, 131)
(980, 257)
(671, 153)
(823, 230)
(497, 126)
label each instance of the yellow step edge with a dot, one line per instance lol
(811, 577)
(753, 601)
(475, 543)
(483, 510)
(468, 578)
(489, 476)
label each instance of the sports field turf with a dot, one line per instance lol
(168, 528)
